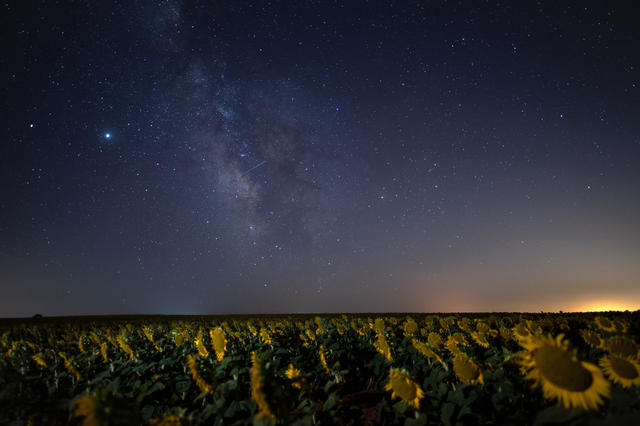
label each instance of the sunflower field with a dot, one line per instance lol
(411, 369)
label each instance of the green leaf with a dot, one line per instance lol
(446, 412)
(331, 401)
(400, 407)
(183, 386)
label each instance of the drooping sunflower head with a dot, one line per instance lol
(168, 419)
(219, 342)
(464, 324)
(378, 325)
(622, 346)
(452, 346)
(434, 340)
(83, 406)
(620, 325)
(604, 324)
(295, 375)
(258, 385)
(401, 386)
(410, 327)
(382, 346)
(482, 327)
(562, 376)
(425, 350)
(592, 338)
(466, 370)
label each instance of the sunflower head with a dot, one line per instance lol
(410, 327)
(563, 377)
(434, 340)
(168, 419)
(401, 386)
(295, 375)
(382, 346)
(219, 342)
(480, 338)
(259, 382)
(466, 370)
(378, 325)
(622, 370)
(604, 324)
(592, 338)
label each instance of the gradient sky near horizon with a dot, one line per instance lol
(184, 157)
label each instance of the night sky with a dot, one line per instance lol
(184, 157)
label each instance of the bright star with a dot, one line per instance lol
(107, 135)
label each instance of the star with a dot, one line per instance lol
(107, 135)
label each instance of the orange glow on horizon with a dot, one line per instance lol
(608, 305)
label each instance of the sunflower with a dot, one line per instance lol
(295, 375)
(70, 367)
(39, 360)
(604, 324)
(410, 327)
(427, 351)
(466, 370)
(166, 420)
(83, 406)
(622, 346)
(382, 346)
(621, 370)
(464, 324)
(258, 387)
(435, 340)
(452, 346)
(482, 327)
(561, 375)
(125, 346)
(592, 338)
(202, 349)
(178, 339)
(521, 332)
(200, 382)
(323, 360)
(401, 386)
(621, 326)
(480, 338)
(219, 342)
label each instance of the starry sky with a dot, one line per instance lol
(185, 157)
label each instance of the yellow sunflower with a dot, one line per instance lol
(434, 340)
(427, 351)
(83, 406)
(592, 338)
(621, 370)
(382, 346)
(521, 332)
(604, 324)
(621, 326)
(562, 376)
(466, 370)
(258, 387)
(167, 420)
(219, 342)
(480, 338)
(401, 386)
(295, 375)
